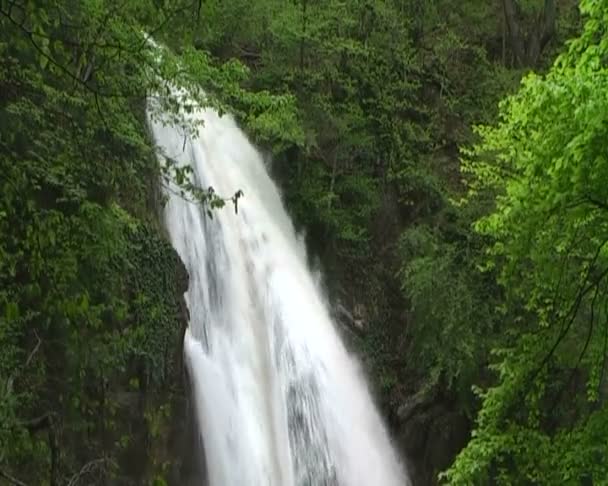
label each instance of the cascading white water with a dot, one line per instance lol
(279, 400)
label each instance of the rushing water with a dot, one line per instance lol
(279, 401)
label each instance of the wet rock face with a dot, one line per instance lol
(428, 427)
(431, 434)
(186, 445)
(448, 434)
(187, 453)
(182, 277)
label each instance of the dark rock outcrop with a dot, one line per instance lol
(431, 433)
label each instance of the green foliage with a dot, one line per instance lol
(89, 299)
(544, 420)
(350, 82)
(451, 309)
(152, 267)
(382, 91)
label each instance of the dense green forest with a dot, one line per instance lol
(446, 160)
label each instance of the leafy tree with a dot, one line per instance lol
(544, 421)
(452, 323)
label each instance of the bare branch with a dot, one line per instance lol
(35, 350)
(42, 422)
(11, 479)
(11, 379)
(89, 468)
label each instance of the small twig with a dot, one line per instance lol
(196, 201)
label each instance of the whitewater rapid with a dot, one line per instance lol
(279, 400)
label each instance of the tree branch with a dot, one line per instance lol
(570, 316)
(35, 350)
(88, 468)
(570, 380)
(573, 312)
(41, 422)
(11, 479)
(596, 202)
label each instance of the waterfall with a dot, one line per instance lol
(279, 400)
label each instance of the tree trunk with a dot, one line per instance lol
(302, 39)
(527, 47)
(54, 446)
